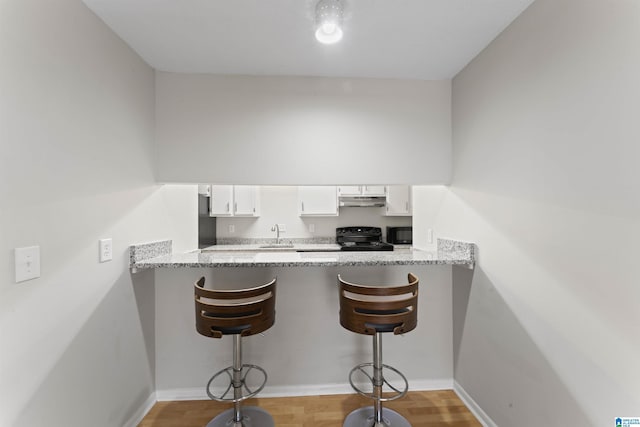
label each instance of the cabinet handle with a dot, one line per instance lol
(302, 203)
(227, 206)
(406, 206)
(235, 207)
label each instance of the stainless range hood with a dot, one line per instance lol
(362, 201)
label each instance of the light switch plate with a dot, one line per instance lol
(106, 250)
(27, 263)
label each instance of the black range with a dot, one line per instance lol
(359, 238)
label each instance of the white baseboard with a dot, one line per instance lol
(298, 390)
(482, 416)
(431, 385)
(181, 394)
(135, 419)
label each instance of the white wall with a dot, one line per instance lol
(297, 131)
(545, 182)
(76, 135)
(545, 154)
(279, 204)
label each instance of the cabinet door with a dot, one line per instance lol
(373, 190)
(317, 200)
(245, 200)
(398, 200)
(204, 189)
(350, 190)
(221, 200)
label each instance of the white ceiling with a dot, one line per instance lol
(404, 39)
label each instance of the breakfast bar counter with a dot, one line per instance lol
(449, 252)
(307, 351)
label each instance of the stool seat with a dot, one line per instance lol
(227, 312)
(239, 313)
(370, 309)
(374, 310)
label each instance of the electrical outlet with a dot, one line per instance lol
(430, 235)
(106, 250)
(232, 228)
(283, 228)
(312, 228)
(27, 263)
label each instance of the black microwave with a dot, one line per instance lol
(400, 235)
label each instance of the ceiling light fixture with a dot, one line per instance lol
(329, 21)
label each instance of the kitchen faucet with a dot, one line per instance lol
(276, 228)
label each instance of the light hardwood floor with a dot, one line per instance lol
(440, 408)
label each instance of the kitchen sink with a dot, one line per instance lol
(277, 246)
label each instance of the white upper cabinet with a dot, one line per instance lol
(221, 200)
(373, 190)
(234, 200)
(361, 190)
(398, 200)
(349, 190)
(204, 190)
(245, 200)
(317, 200)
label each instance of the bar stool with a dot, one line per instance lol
(374, 310)
(239, 313)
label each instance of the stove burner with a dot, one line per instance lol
(361, 239)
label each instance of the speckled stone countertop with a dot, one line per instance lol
(449, 252)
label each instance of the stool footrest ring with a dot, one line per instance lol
(398, 393)
(246, 368)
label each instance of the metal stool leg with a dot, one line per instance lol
(376, 416)
(237, 380)
(251, 416)
(378, 379)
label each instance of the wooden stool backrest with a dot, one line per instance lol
(370, 309)
(225, 312)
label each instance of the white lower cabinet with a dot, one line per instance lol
(398, 200)
(317, 200)
(234, 200)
